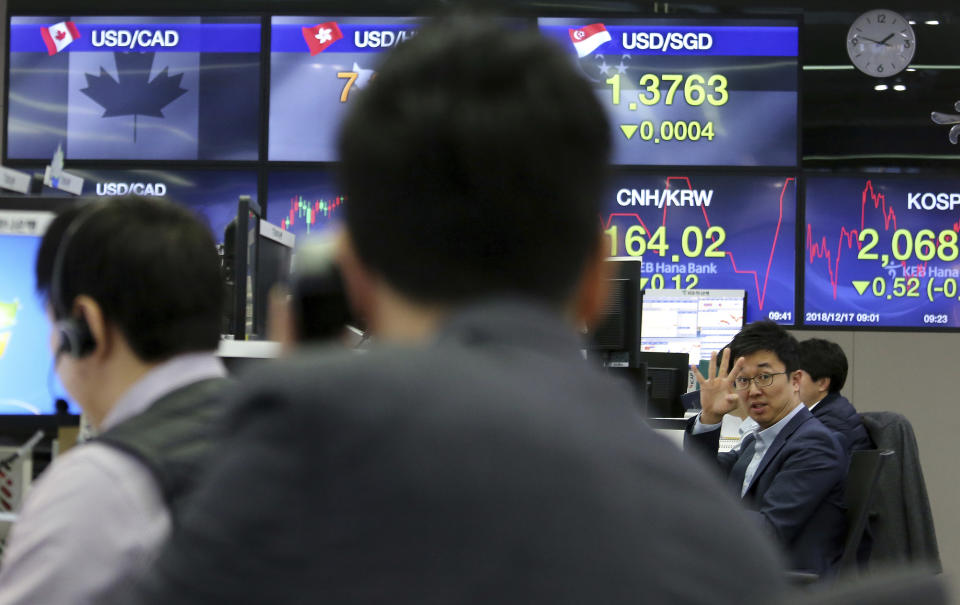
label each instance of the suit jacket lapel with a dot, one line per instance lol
(739, 470)
(778, 443)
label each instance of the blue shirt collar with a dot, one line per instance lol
(767, 436)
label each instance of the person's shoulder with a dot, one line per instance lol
(92, 478)
(814, 435)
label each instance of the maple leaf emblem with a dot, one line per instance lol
(323, 35)
(132, 93)
(60, 35)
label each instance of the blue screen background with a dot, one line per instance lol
(26, 363)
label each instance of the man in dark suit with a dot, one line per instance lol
(823, 372)
(790, 473)
(471, 456)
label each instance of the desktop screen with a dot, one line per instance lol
(158, 88)
(28, 384)
(695, 322)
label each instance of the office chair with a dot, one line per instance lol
(859, 492)
(901, 522)
(891, 588)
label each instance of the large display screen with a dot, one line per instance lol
(162, 88)
(709, 232)
(882, 252)
(304, 202)
(213, 194)
(317, 65)
(28, 384)
(691, 92)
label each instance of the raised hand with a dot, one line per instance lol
(717, 395)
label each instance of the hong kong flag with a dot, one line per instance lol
(59, 36)
(319, 37)
(587, 39)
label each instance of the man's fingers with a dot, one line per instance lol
(712, 368)
(724, 363)
(736, 369)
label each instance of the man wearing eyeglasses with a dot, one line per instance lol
(790, 473)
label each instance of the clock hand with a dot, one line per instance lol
(884, 41)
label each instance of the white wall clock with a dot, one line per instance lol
(881, 43)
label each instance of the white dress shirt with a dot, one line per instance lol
(96, 514)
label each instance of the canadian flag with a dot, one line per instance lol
(59, 36)
(588, 38)
(319, 37)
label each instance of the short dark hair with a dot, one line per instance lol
(824, 359)
(474, 165)
(767, 336)
(151, 265)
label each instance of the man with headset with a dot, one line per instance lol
(134, 294)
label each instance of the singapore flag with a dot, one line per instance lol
(59, 36)
(588, 38)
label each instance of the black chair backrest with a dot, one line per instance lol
(890, 588)
(860, 487)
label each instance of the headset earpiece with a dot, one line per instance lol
(76, 339)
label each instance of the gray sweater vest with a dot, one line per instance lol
(174, 436)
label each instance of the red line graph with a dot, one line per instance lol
(761, 292)
(869, 198)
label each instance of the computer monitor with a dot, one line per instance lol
(239, 269)
(613, 341)
(28, 382)
(666, 377)
(695, 322)
(274, 256)
(658, 380)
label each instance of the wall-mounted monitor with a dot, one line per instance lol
(212, 194)
(317, 66)
(28, 383)
(881, 251)
(699, 231)
(304, 202)
(689, 92)
(695, 322)
(159, 88)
